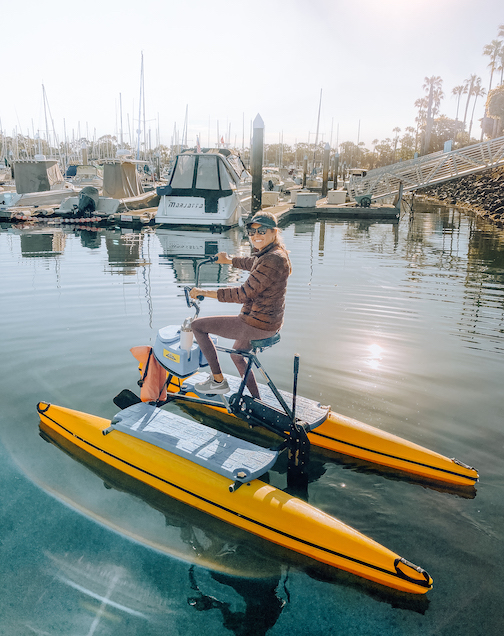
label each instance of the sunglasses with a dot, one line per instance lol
(260, 230)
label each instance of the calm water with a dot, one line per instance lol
(398, 325)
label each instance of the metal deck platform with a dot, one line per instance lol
(224, 454)
(307, 410)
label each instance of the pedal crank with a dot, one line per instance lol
(257, 413)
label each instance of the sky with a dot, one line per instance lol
(223, 62)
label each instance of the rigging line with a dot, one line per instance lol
(146, 276)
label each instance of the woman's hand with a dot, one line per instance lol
(224, 259)
(197, 291)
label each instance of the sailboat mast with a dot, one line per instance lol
(318, 123)
(45, 116)
(139, 130)
(144, 120)
(120, 118)
(186, 123)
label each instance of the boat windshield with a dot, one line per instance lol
(207, 177)
(212, 173)
(183, 173)
(227, 181)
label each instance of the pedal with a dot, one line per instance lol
(226, 404)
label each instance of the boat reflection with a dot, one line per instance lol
(184, 249)
(40, 242)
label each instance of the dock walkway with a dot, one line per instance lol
(428, 170)
(286, 211)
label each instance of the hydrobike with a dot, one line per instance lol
(221, 474)
(300, 421)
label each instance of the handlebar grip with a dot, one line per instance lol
(189, 300)
(211, 259)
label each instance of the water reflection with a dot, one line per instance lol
(375, 356)
(42, 243)
(184, 249)
(90, 238)
(185, 532)
(112, 586)
(126, 251)
(428, 291)
(263, 605)
(472, 252)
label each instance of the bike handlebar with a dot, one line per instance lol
(190, 301)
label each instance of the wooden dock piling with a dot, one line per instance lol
(325, 170)
(257, 163)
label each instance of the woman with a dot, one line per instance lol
(262, 296)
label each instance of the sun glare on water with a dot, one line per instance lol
(375, 355)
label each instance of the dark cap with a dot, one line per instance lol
(265, 220)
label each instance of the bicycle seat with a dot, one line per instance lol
(264, 343)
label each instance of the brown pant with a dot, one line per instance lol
(232, 327)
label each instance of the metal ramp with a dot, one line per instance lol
(428, 170)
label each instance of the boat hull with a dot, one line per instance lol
(191, 211)
(256, 507)
(348, 436)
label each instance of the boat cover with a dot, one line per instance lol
(229, 456)
(37, 176)
(121, 180)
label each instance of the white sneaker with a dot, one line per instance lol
(211, 386)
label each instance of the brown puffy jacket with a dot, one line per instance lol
(263, 293)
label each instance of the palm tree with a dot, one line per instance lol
(397, 130)
(407, 147)
(458, 91)
(437, 96)
(500, 68)
(421, 104)
(469, 85)
(478, 91)
(500, 64)
(493, 50)
(433, 85)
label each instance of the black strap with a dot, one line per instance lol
(146, 369)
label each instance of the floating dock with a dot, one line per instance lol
(322, 209)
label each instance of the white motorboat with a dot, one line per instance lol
(207, 188)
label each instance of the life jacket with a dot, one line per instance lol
(153, 376)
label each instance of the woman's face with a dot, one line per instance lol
(260, 241)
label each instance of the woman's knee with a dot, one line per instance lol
(238, 360)
(198, 326)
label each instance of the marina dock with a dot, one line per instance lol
(286, 211)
